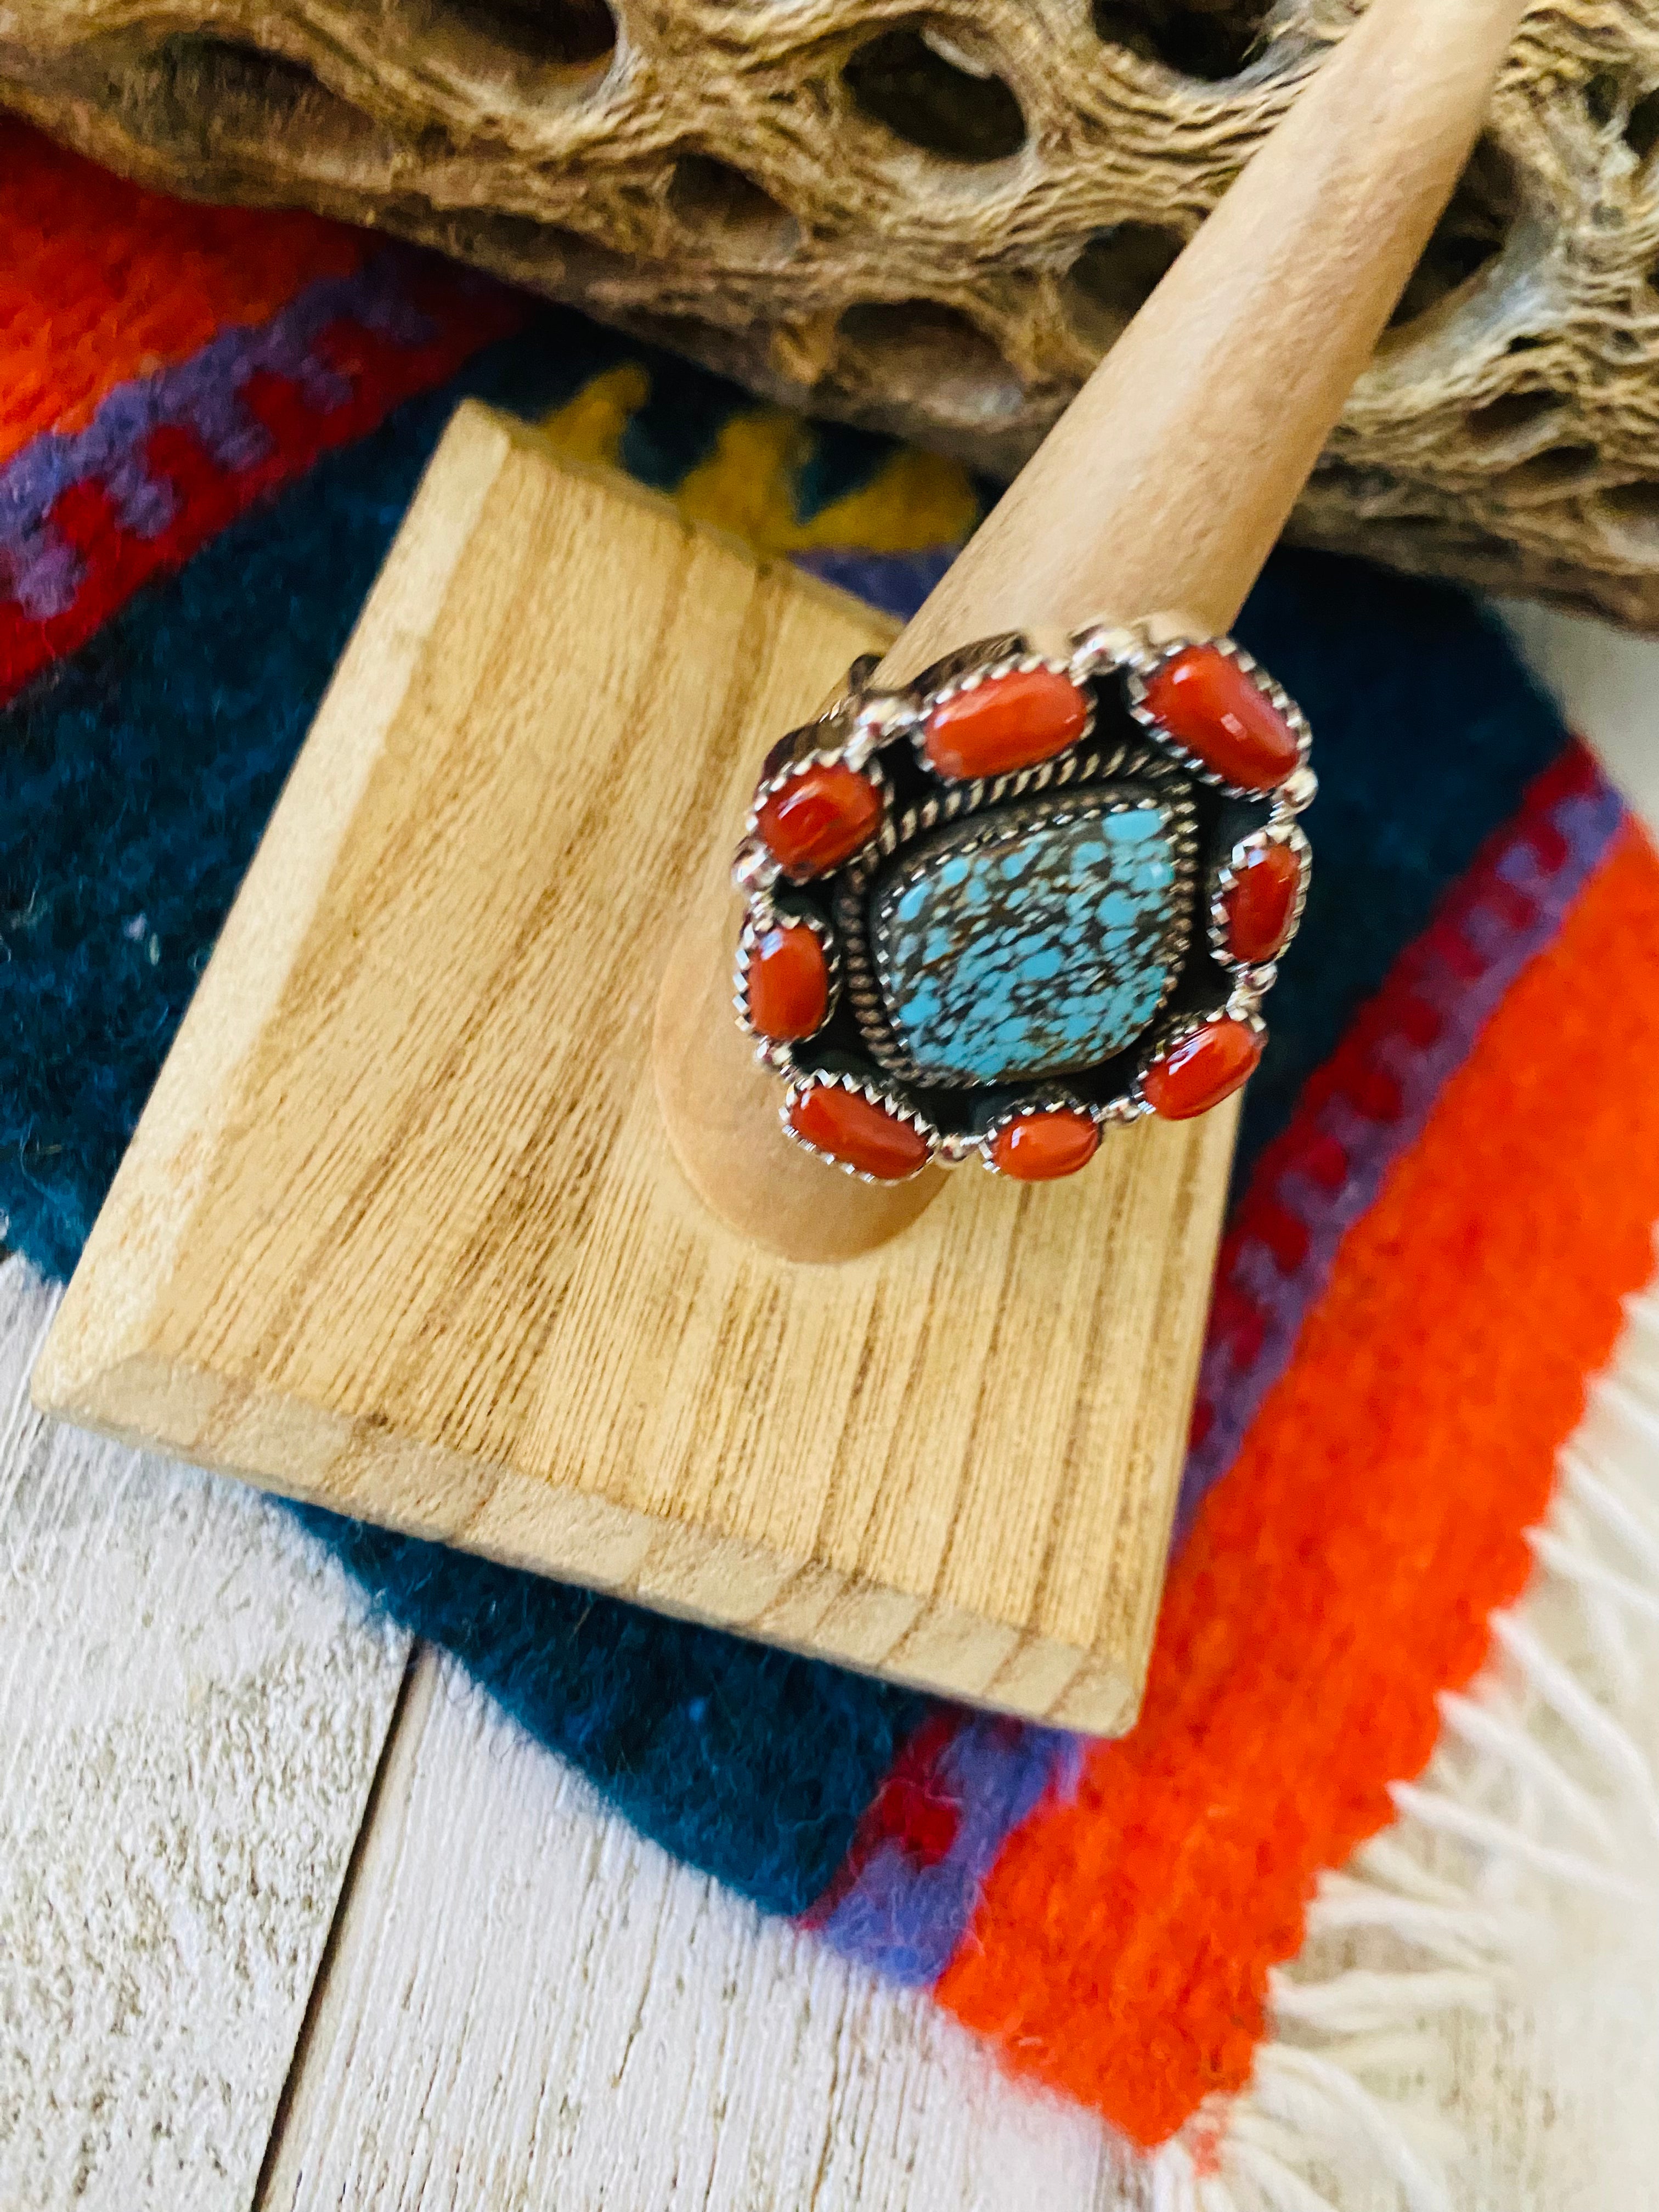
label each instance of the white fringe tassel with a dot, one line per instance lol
(1541, 1800)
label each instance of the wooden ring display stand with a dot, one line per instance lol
(399, 1231)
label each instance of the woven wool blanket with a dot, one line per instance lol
(211, 422)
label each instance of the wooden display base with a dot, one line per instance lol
(400, 1230)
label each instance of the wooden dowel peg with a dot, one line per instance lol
(1164, 487)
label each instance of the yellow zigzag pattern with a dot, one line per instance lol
(747, 485)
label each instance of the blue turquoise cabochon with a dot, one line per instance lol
(1036, 939)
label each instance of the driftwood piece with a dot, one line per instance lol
(936, 222)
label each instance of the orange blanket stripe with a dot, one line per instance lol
(137, 282)
(1343, 1571)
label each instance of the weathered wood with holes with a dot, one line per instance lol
(399, 1229)
(527, 2006)
(191, 1706)
(936, 222)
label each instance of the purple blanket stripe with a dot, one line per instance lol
(907, 1918)
(202, 394)
(896, 582)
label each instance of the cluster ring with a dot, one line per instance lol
(996, 911)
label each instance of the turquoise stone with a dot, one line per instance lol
(1017, 945)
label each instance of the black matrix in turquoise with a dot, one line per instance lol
(1035, 939)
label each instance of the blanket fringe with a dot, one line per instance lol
(1540, 1800)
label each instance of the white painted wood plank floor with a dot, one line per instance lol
(500, 1998)
(527, 2006)
(191, 1705)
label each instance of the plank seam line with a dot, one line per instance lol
(259, 2202)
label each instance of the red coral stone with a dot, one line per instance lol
(789, 983)
(819, 819)
(1007, 722)
(849, 1128)
(1202, 1070)
(1213, 708)
(1262, 901)
(1037, 1147)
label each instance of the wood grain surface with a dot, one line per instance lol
(191, 1706)
(399, 1229)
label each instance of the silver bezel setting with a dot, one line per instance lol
(1043, 1102)
(1240, 1007)
(975, 679)
(1224, 875)
(764, 913)
(829, 756)
(896, 1107)
(1138, 674)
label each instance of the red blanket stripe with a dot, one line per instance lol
(135, 282)
(380, 370)
(1342, 1574)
